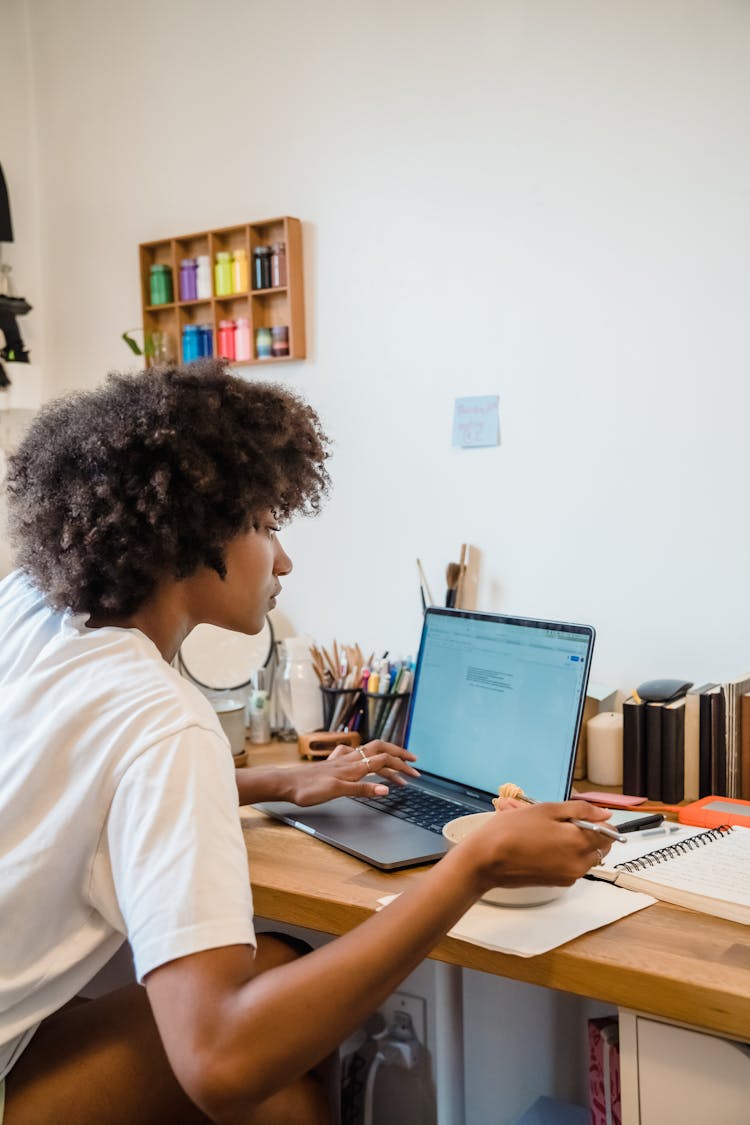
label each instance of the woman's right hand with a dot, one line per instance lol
(535, 845)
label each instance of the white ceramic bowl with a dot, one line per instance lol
(456, 830)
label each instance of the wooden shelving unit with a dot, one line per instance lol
(264, 308)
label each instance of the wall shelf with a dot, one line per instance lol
(267, 308)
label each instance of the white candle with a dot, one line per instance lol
(604, 747)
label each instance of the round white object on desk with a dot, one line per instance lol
(604, 747)
(231, 713)
(457, 830)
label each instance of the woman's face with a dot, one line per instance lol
(255, 560)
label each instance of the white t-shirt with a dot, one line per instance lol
(118, 811)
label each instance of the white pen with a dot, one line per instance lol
(665, 829)
(602, 829)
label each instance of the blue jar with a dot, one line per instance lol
(206, 339)
(190, 343)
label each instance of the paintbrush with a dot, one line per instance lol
(452, 575)
(462, 565)
(424, 583)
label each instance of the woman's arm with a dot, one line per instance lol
(340, 775)
(233, 1038)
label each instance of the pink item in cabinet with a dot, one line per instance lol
(227, 339)
(242, 340)
(604, 1072)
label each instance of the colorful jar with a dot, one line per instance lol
(263, 343)
(223, 274)
(188, 280)
(278, 264)
(190, 343)
(206, 339)
(161, 291)
(240, 272)
(203, 277)
(280, 340)
(242, 345)
(226, 339)
(262, 267)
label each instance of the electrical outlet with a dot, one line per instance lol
(414, 1006)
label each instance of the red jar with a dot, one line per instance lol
(226, 339)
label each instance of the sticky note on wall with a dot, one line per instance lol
(476, 421)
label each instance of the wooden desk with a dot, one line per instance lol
(663, 960)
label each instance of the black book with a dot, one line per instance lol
(718, 744)
(673, 751)
(704, 740)
(653, 750)
(634, 747)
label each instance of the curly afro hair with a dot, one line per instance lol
(150, 476)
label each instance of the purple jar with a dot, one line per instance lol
(188, 279)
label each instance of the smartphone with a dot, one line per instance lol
(625, 821)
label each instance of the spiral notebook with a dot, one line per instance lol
(705, 870)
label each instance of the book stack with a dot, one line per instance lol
(689, 747)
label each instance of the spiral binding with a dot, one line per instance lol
(663, 855)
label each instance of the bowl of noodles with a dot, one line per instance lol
(457, 830)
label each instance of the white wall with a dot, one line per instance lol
(548, 201)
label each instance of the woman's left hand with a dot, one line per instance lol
(343, 773)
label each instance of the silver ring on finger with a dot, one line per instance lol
(365, 759)
(600, 855)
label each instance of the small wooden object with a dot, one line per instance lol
(319, 743)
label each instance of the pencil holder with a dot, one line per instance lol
(340, 707)
(371, 714)
(384, 716)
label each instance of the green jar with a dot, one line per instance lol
(160, 285)
(223, 274)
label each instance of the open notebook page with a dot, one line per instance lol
(715, 867)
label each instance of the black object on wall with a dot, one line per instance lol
(10, 307)
(6, 226)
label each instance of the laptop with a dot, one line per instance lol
(495, 699)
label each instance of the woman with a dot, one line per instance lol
(138, 511)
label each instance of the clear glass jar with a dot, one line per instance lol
(299, 692)
(278, 264)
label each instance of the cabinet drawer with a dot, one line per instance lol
(690, 1077)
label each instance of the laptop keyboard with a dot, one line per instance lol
(418, 807)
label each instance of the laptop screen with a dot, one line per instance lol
(499, 699)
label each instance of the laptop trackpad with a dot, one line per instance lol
(382, 840)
